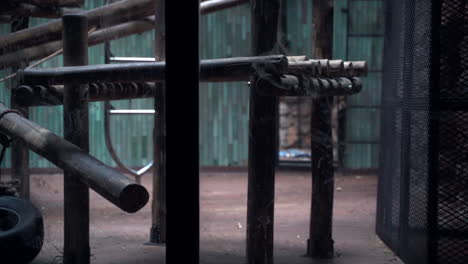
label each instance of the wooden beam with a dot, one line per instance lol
(55, 3)
(95, 38)
(29, 10)
(116, 13)
(158, 209)
(320, 242)
(262, 141)
(39, 95)
(19, 152)
(108, 182)
(76, 249)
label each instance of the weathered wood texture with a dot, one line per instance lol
(29, 47)
(95, 38)
(61, 3)
(37, 95)
(113, 14)
(106, 181)
(320, 242)
(158, 209)
(262, 141)
(76, 248)
(19, 152)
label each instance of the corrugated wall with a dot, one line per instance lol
(224, 107)
(359, 28)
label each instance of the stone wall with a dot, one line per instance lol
(294, 122)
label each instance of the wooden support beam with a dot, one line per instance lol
(76, 249)
(320, 242)
(262, 141)
(182, 72)
(158, 209)
(19, 152)
(119, 12)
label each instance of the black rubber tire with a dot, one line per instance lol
(21, 230)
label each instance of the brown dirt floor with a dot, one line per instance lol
(118, 237)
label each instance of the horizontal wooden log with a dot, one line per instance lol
(112, 14)
(39, 95)
(314, 87)
(328, 68)
(95, 38)
(213, 70)
(55, 3)
(100, 36)
(27, 10)
(108, 182)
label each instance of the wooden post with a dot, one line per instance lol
(158, 227)
(262, 141)
(182, 72)
(320, 243)
(76, 130)
(19, 152)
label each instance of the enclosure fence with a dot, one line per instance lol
(422, 212)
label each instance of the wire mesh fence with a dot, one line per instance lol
(423, 189)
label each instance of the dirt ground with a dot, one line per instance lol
(118, 237)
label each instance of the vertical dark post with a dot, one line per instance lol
(262, 141)
(158, 227)
(320, 243)
(76, 130)
(19, 152)
(182, 85)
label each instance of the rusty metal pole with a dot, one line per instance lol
(320, 242)
(158, 227)
(262, 141)
(76, 130)
(19, 152)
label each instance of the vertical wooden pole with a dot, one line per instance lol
(262, 141)
(19, 152)
(158, 227)
(76, 131)
(320, 243)
(182, 82)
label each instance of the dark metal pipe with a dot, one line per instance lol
(213, 70)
